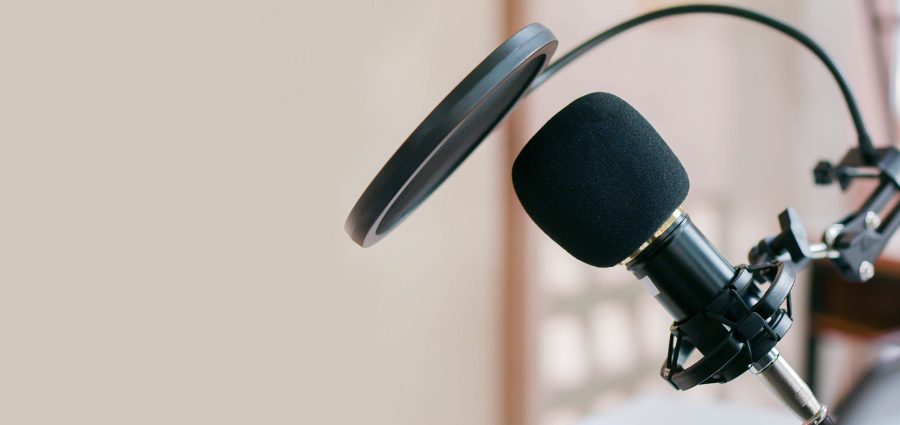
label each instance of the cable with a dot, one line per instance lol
(869, 154)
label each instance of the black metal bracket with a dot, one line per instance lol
(853, 166)
(858, 240)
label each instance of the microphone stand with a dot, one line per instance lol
(756, 317)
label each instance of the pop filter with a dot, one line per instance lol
(449, 134)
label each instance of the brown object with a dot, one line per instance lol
(517, 383)
(867, 310)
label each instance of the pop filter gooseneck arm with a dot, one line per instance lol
(868, 151)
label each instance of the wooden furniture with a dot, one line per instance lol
(868, 310)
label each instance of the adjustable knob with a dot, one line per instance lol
(792, 238)
(824, 173)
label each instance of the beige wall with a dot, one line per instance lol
(175, 176)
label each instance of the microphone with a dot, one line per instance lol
(601, 182)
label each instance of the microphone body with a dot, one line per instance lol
(600, 181)
(683, 266)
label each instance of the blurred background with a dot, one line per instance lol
(176, 175)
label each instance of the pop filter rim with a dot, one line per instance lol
(445, 138)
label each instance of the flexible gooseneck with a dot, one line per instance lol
(869, 153)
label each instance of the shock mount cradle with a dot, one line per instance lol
(743, 323)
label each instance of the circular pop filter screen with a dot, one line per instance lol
(449, 134)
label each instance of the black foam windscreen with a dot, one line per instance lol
(599, 180)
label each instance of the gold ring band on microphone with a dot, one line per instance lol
(659, 232)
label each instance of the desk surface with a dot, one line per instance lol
(672, 410)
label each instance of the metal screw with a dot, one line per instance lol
(872, 220)
(832, 232)
(866, 271)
